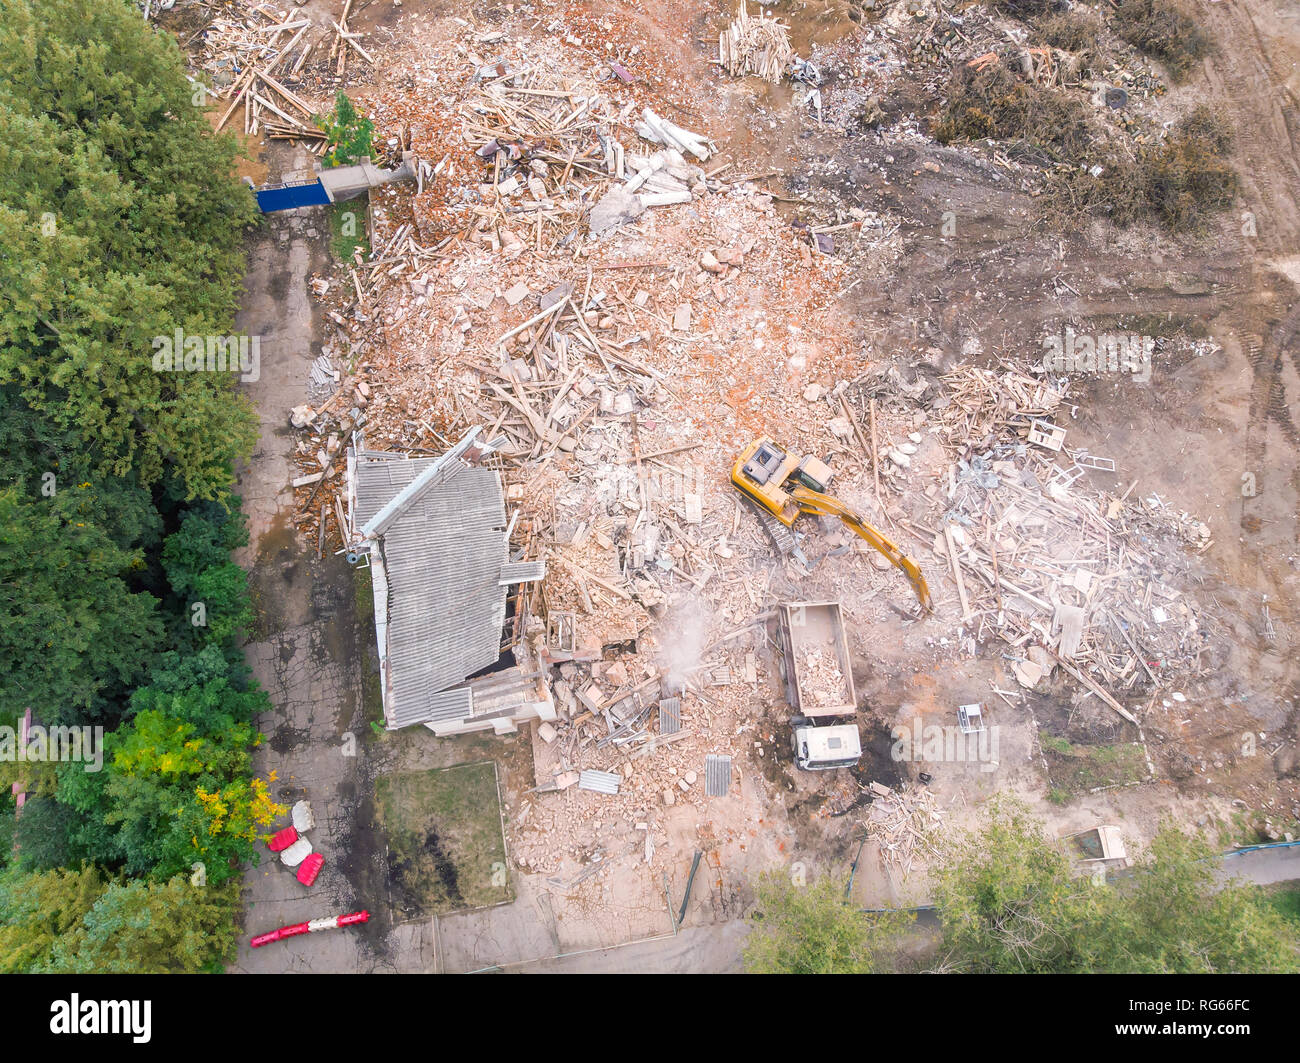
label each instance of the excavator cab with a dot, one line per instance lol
(760, 474)
(782, 487)
(765, 463)
(814, 474)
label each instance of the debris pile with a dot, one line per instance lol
(901, 822)
(1065, 575)
(250, 58)
(758, 46)
(820, 676)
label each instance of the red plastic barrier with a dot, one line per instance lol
(265, 939)
(310, 868)
(330, 923)
(282, 839)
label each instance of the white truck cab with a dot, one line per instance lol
(825, 748)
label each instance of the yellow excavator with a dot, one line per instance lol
(782, 487)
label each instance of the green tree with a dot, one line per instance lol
(1012, 901)
(157, 745)
(207, 534)
(81, 922)
(46, 835)
(1009, 901)
(349, 132)
(198, 566)
(176, 795)
(121, 219)
(73, 636)
(815, 930)
(212, 704)
(151, 928)
(1175, 915)
(7, 827)
(36, 910)
(41, 455)
(91, 836)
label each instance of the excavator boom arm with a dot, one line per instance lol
(815, 502)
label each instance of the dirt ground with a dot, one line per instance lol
(1213, 434)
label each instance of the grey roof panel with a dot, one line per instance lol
(522, 571)
(454, 704)
(717, 775)
(444, 555)
(602, 782)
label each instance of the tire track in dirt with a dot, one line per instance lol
(1248, 74)
(1268, 399)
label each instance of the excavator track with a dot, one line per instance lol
(782, 537)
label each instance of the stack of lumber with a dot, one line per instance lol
(758, 46)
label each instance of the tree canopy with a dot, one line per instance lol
(1012, 902)
(814, 929)
(121, 222)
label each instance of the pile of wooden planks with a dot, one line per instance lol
(258, 49)
(902, 821)
(345, 42)
(986, 400)
(566, 130)
(758, 46)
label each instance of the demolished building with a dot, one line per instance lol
(435, 534)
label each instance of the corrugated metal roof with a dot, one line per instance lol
(521, 572)
(603, 782)
(443, 555)
(453, 704)
(717, 775)
(670, 716)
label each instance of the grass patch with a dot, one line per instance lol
(1285, 899)
(1161, 28)
(1025, 8)
(1162, 326)
(372, 694)
(1189, 175)
(445, 849)
(363, 586)
(996, 104)
(1071, 32)
(1074, 770)
(348, 229)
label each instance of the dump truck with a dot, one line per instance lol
(781, 486)
(813, 657)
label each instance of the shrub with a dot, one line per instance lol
(1162, 29)
(994, 103)
(1026, 8)
(1070, 32)
(349, 132)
